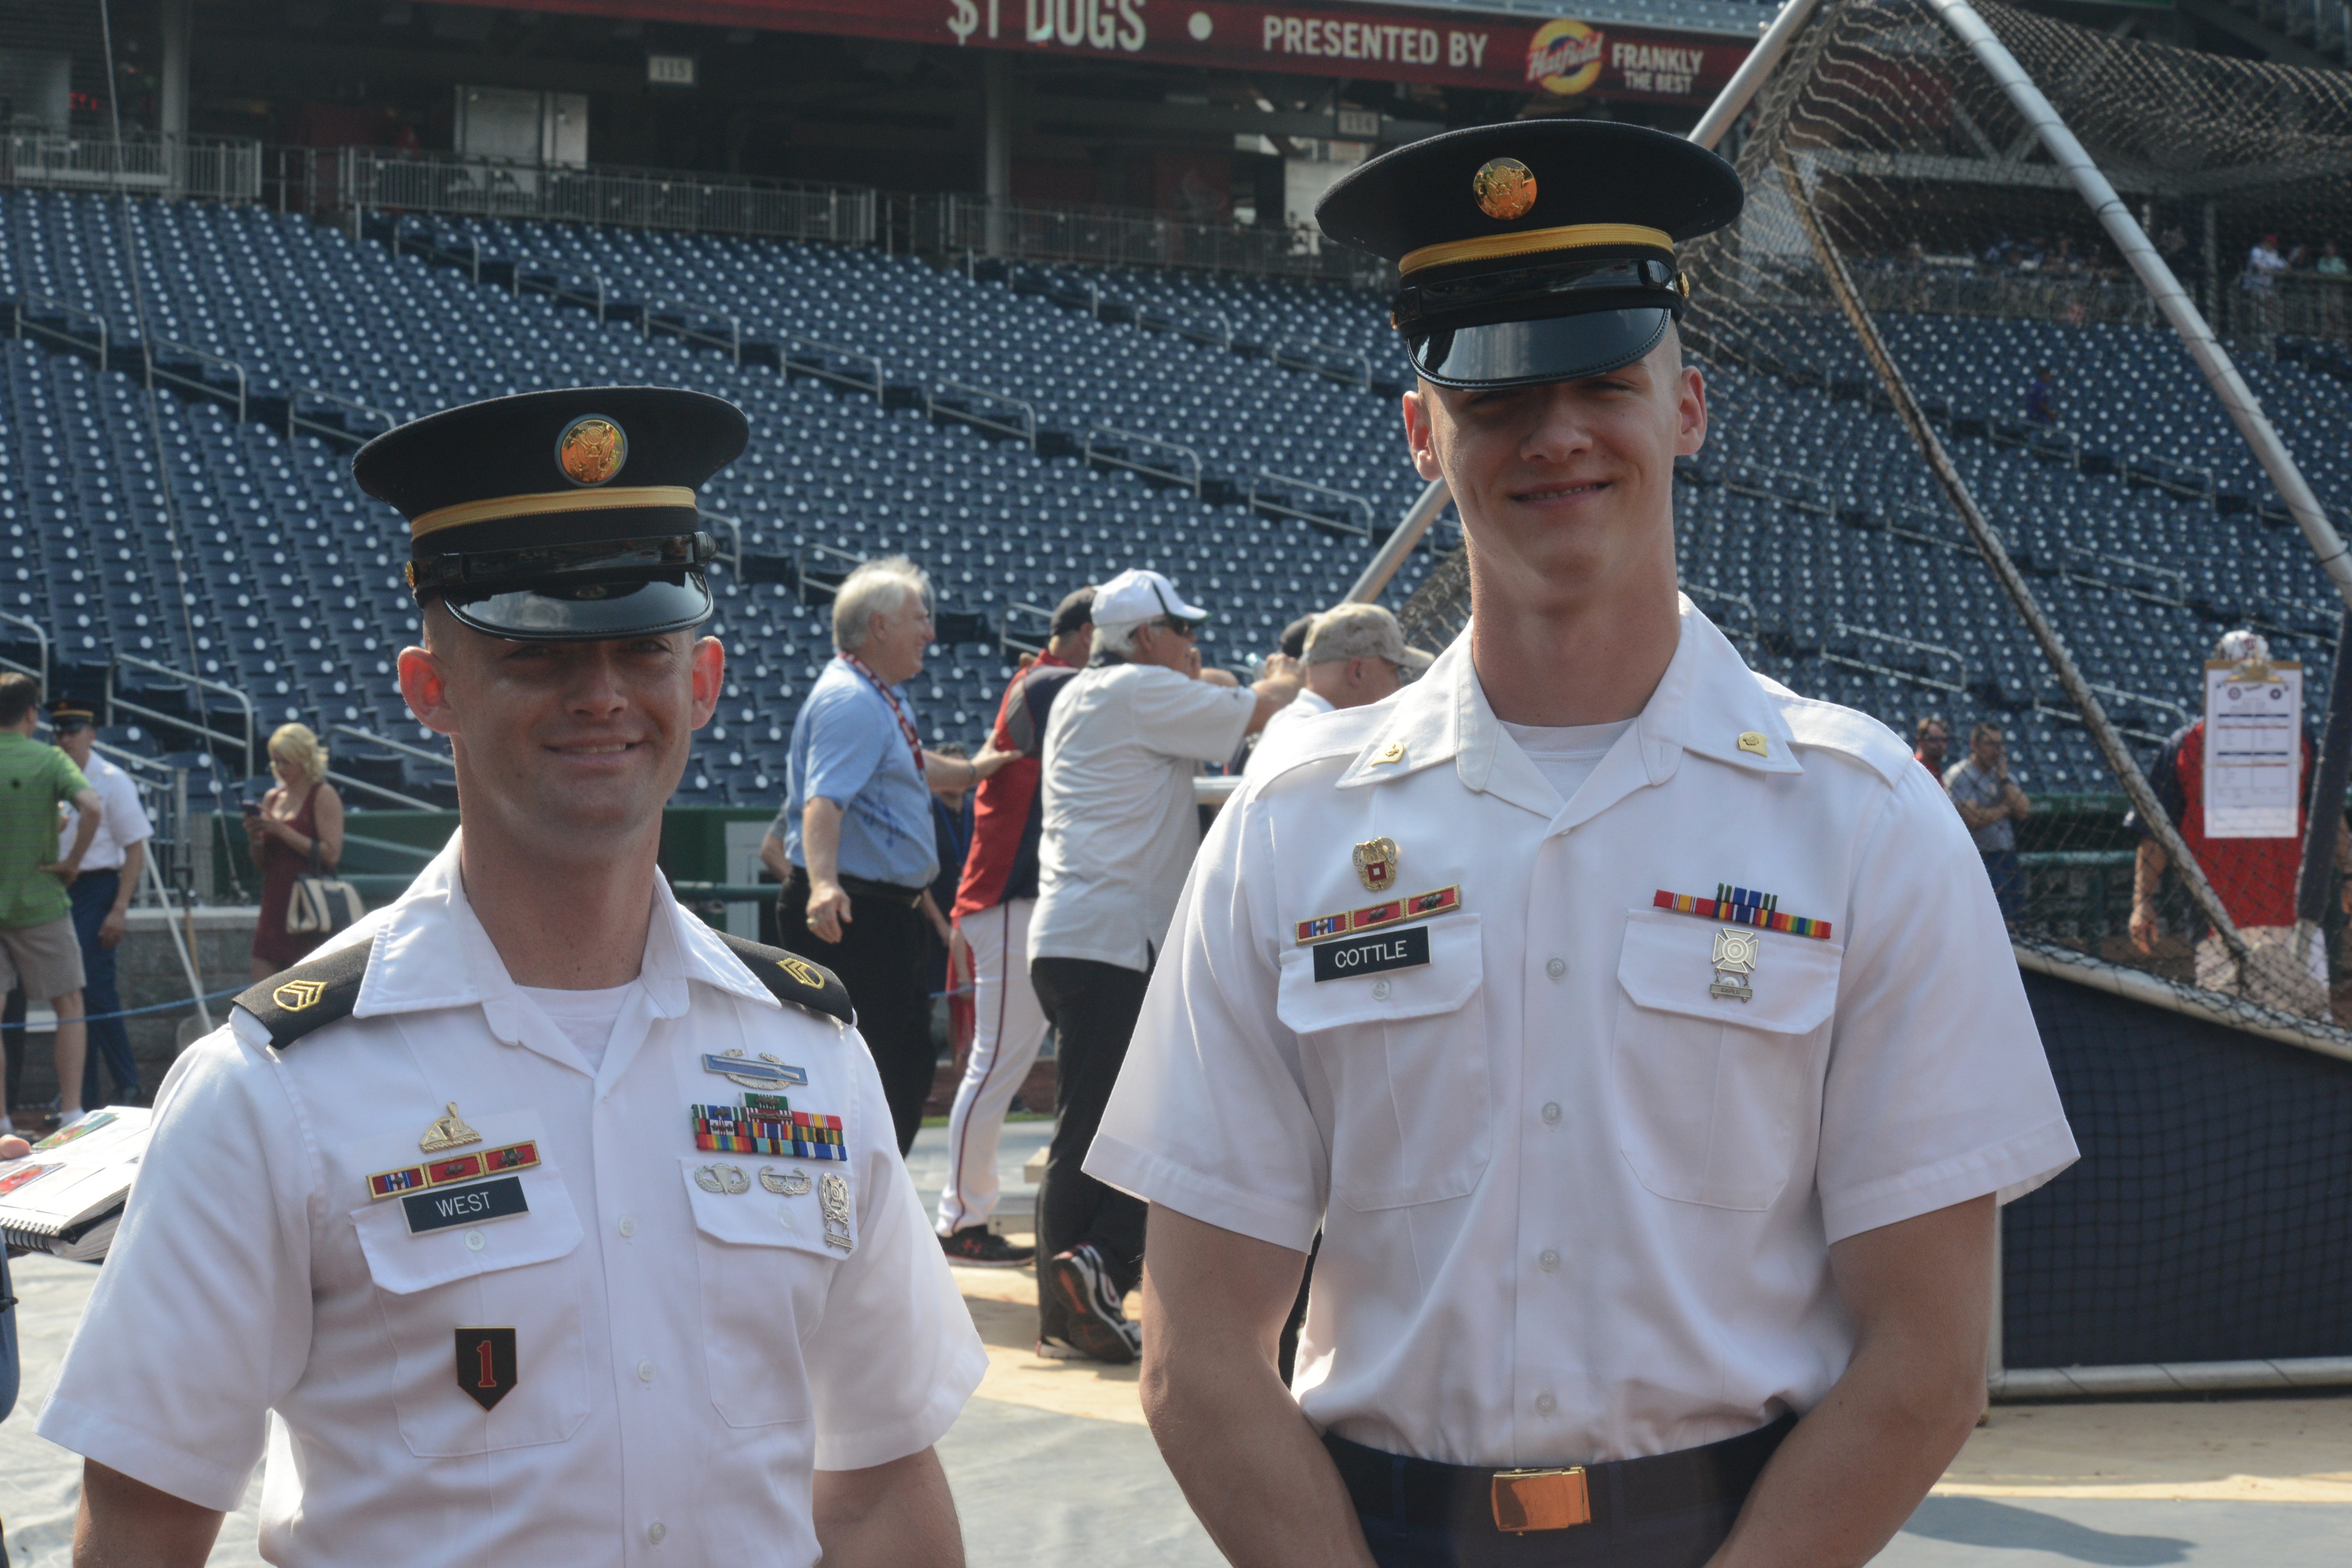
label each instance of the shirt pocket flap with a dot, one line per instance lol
(1448, 980)
(402, 1264)
(1668, 964)
(761, 1202)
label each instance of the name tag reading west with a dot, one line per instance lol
(500, 1199)
(1404, 949)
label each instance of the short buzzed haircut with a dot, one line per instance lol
(1984, 728)
(19, 695)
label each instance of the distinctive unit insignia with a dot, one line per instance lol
(297, 994)
(448, 1131)
(791, 1184)
(1736, 953)
(590, 450)
(1506, 188)
(1376, 865)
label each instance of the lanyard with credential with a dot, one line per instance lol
(897, 709)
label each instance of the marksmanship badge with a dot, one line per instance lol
(1736, 953)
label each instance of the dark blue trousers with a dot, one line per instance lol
(93, 895)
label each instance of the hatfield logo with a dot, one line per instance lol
(1565, 57)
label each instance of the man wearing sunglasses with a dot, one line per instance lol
(1120, 828)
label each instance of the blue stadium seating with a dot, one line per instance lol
(1811, 527)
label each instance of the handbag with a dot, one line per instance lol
(321, 905)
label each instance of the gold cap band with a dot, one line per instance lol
(501, 507)
(1530, 242)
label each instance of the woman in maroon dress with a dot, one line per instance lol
(301, 814)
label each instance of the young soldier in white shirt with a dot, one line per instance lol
(1643, 1037)
(551, 1224)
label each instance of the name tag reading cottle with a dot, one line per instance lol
(500, 1199)
(1406, 948)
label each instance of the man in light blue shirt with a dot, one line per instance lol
(853, 843)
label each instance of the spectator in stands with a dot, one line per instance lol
(1931, 739)
(2040, 397)
(298, 824)
(2331, 261)
(2263, 263)
(1992, 805)
(2253, 878)
(1120, 828)
(36, 932)
(855, 843)
(1355, 654)
(102, 895)
(993, 907)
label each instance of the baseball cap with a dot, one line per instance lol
(1136, 595)
(1077, 609)
(1294, 636)
(1361, 631)
(2238, 646)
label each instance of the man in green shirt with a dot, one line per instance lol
(38, 946)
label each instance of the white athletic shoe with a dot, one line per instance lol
(65, 1122)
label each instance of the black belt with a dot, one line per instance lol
(1421, 1494)
(859, 887)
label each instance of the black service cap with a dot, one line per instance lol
(1538, 251)
(564, 516)
(72, 714)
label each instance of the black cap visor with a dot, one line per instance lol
(587, 609)
(1552, 348)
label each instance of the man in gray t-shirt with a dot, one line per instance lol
(1991, 804)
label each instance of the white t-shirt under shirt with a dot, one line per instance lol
(1566, 755)
(586, 1018)
(1119, 823)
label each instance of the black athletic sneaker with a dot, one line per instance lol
(977, 1247)
(1093, 1321)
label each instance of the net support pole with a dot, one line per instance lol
(1399, 544)
(1741, 89)
(2327, 788)
(2004, 570)
(2220, 373)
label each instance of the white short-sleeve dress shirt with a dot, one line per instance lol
(1576, 1193)
(121, 820)
(1119, 822)
(688, 1346)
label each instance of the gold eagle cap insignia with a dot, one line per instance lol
(297, 994)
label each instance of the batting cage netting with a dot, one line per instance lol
(1962, 474)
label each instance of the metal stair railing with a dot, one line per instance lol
(295, 420)
(1273, 506)
(1115, 454)
(116, 702)
(812, 362)
(40, 636)
(1027, 430)
(62, 336)
(196, 383)
(683, 327)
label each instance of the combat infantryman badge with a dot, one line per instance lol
(486, 1364)
(768, 1072)
(449, 1132)
(1736, 953)
(1376, 865)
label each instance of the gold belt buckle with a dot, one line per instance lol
(1528, 1500)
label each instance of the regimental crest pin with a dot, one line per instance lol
(1376, 865)
(1736, 953)
(448, 1131)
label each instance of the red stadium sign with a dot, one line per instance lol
(1451, 49)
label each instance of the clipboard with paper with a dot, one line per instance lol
(2254, 748)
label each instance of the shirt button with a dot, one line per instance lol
(1548, 1259)
(627, 1227)
(473, 1242)
(646, 1368)
(1551, 1113)
(1545, 1404)
(1379, 990)
(656, 1531)
(1556, 967)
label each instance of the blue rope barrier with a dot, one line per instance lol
(135, 1012)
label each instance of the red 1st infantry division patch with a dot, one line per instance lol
(486, 1364)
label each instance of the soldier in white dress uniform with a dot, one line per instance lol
(1641, 1036)
(532, 1220)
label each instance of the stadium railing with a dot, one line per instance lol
(209, 168)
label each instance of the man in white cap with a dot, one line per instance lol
(1127, 735)
(1355, 655)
